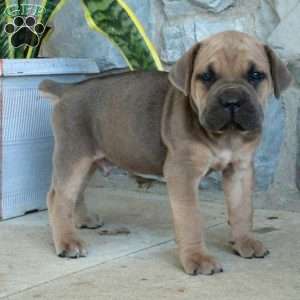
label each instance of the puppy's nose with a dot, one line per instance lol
(230, 103)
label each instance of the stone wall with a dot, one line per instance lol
(298, 151)
(175, 25)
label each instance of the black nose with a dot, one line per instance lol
(230, 103)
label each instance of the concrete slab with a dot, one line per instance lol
(27, 256)
(154, 273)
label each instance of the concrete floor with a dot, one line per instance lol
(143, 264)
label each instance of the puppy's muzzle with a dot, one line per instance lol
(232, 105)
(232, 100)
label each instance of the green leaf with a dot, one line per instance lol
(124, 30)
(50, 8)
(6, 49)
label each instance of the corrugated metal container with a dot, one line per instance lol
(25, 127)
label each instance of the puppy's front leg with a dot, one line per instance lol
(182, 182)
(238, 184)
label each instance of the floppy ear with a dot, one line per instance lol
(281, 76)
(181, 72)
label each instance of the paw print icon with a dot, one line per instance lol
(24, 31)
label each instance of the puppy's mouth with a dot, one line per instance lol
(242, 121)
(232, 126)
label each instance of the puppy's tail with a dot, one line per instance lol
(52, 89)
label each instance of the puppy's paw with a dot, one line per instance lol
(91, 221)
(199, 263)
(70, 247)
(248, 248)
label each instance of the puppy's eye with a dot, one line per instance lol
(207, 77)
(255, 76)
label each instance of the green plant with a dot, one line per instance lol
(116, 20)
(6, 49)
(113, 18)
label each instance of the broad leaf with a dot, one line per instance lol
(6, 49)
(115, 20)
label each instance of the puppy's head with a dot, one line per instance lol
(228, 79)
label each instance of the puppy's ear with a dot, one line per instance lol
(281, 76)
(181, 73)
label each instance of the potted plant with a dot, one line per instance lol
(26, 137)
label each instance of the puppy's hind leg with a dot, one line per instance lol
(68, 181)
(82, 217)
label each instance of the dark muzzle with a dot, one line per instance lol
(232, 105)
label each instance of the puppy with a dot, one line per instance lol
(205, 115)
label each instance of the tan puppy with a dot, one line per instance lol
(205, 115)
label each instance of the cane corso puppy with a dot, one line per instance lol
(206, 114)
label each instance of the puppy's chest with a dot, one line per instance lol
(222, 159)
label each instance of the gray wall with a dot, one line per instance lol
(174, 26)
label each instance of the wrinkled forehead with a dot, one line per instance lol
(231, 56)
